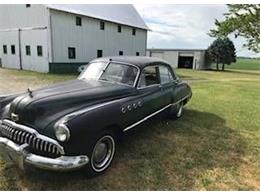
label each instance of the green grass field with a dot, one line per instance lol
(214, 146)
(243, 64)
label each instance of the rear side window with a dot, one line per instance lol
(165, 74)
(149, 76)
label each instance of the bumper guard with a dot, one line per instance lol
(20, 156)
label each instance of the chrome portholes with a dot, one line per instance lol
(123, 110)
(140, 103)
(131, 106)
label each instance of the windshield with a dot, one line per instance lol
(114, 72)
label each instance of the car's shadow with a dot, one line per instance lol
(160, 154)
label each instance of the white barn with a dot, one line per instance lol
(59, 38)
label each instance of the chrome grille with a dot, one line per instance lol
(37, 142)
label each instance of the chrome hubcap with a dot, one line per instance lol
(103, 153)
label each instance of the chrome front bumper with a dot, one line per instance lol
(21, 156)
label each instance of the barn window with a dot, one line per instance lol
(72, 52)
(39, 50)
(28, 50)
(99, 53)
(12, 49)
(102, 25)
(78, 21)
(27, 5)
(133, 31)
(137, 54)
(119, 28)
(121, 53)
(4, 49)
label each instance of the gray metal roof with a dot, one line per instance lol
(119, 13)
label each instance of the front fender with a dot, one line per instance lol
(4, 101)
(88, 124)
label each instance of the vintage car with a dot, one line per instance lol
(76, 123)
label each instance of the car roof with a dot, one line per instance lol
(140, 61)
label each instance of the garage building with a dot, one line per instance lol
(181, 58)
(60, 38)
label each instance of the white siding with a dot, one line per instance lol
(9, 60)
(172, 58)
(18, 16)
(33, 39)
(14, 17)
(88, 38)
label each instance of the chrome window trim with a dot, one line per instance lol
(153, 114)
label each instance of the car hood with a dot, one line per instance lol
(41, 107)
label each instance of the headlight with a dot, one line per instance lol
(62, 132)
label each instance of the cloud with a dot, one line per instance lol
(184, 26)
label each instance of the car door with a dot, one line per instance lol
(167, 84)
(150, 90)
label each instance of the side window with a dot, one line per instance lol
(28, 50)
(4, 49)
(149, 76)
(72, 52)
(39, 50)
(165, 74)
(78, 21)
(99, 53)
(13, 49)
(102, 25)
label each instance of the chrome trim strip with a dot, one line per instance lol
(153, 114)
(33, 132)
(21, 156)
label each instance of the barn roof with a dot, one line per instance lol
(124, 14)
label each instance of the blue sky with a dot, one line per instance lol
(184, 26)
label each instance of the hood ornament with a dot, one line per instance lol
(30, 92)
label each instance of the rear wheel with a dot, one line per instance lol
(102, 154)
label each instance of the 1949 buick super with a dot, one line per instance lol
(76, 123)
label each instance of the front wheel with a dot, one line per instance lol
(102, 154)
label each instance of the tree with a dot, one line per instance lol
(242, 20)
(222, 51)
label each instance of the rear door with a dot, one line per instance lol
(150, 90)
(167, 84)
